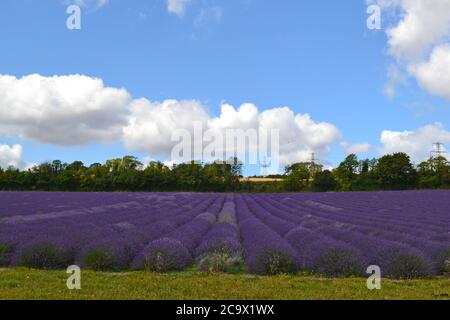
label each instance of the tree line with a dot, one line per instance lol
(390, 172)
(125, 174)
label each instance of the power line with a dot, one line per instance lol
(439, 150)
(313, 159)
(314, 162)
(264, 165)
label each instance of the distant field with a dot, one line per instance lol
(261, 180)
(37, 284)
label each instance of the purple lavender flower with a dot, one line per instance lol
(266, 252)
(113, 253)
(336, 234)
(163, 255)
(321, 254)
(44, 253)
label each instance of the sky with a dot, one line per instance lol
(138, 70)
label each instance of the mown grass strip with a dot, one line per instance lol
(37, 284)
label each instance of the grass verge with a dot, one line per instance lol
(37, 284)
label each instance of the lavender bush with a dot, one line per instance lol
(42, 255)
(220, 262)
(5, 255)
(110, 254)
(163, 255)
(334, 234)
(323, 255)
(266, 252)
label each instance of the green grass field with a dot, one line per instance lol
(37, 284)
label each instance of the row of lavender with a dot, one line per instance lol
(119, 231)
(407, 234)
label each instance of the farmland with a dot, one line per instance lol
(407, 234)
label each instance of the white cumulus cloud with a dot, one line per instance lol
(418, 143)
(422, 25)
(11, 156)
(357, 148)
(63, 110)
(77, 110)
(434, 75)
(418, 41)
(152, 124)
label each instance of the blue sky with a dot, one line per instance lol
(315, 57)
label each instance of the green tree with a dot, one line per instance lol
(324, 181)
(434, 173)
(347, 172)
(396, 172)
(299, 176)
(156, 177)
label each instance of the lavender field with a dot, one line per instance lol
(407, 234)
